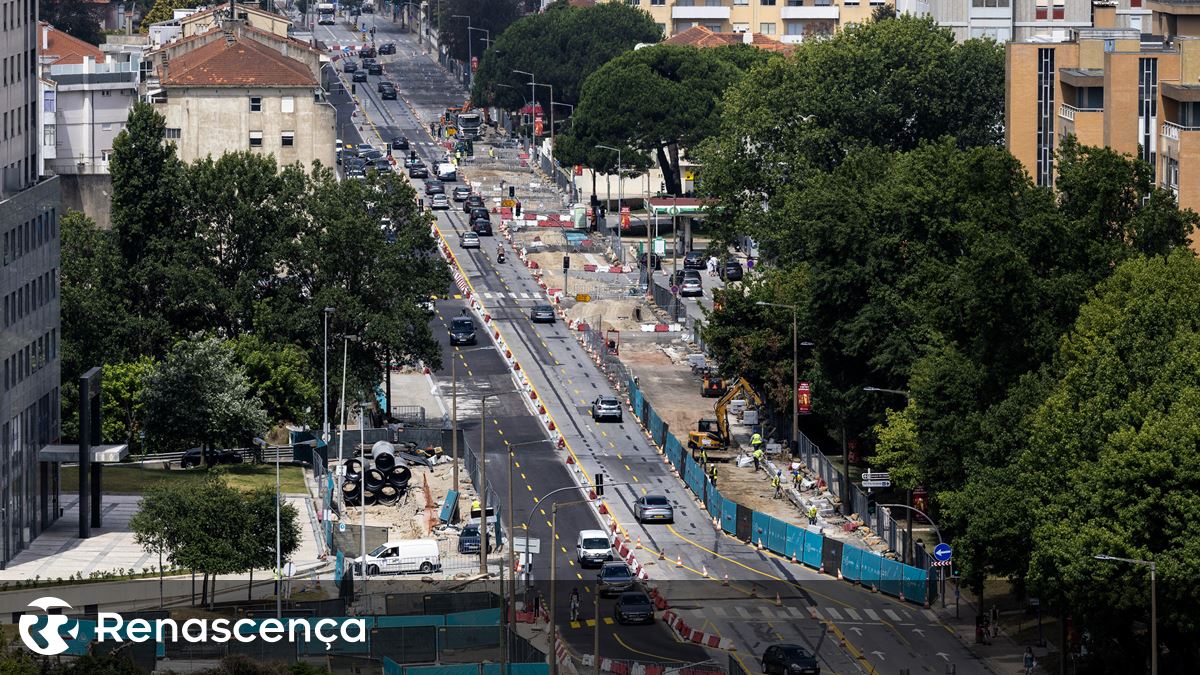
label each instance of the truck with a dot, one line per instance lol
(468, 125)
(712, 434)
(325, 12)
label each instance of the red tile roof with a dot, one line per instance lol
(240, 63)
(699, 36)
(63, 49)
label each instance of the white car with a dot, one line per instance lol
(593, 548)
(469, 240)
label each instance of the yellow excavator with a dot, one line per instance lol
(712, 435)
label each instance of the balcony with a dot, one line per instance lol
(1171, 130)
(1068, 112)
(700, 12)
(792, 13)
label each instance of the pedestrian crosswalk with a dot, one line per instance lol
(500, 295)
(849, 615)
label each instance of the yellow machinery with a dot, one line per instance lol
(712, 435)
(713, 386)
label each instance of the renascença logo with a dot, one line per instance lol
(52, 643)
(111, 626)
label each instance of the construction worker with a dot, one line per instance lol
(777, 483)
(812, 515)
(758, 457)
(703, 458)
(796, 478)
(756, 441)
(713, 474)
(476, 506)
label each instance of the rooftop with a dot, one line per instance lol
(237, 63)
(699, 36)
(58, 48)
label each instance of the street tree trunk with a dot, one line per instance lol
(670, 170)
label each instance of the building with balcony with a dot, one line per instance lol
(1112, 87)
(788, 21)
(1022, 20)
(29, 302)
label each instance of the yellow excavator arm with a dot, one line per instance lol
(722, 406)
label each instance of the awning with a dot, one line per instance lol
(679, 207)
(103, 454)
(1082, 77)
(1184, 93)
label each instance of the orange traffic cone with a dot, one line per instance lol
(778, 601)
(725, 582)
(704, 571)
(639, 543)
(679, 561)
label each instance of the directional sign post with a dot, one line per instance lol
(876, 483)
(942, 553)
(527, 545)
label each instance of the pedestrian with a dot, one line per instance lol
(812, 515)
(777, 483)
(1029, 660)
(712, 265)
(703, 457)
(994, 621)
(432, 129)
(476, 506)
(492, 155)
(749, 263)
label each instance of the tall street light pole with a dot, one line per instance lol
(532, 109)
(481, 489)
(512, 535)
(487, 39)
(1153, 603)
(342, 399)
(325, 377)
(620, 201)
(796, 344)
(909, 551)
(454, 415)
(470, 52)
(543, 84)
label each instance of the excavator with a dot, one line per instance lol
(712, 435)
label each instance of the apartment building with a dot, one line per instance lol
(29, 322)
(1112, 87)
(789, 21)
(1022, 20)
(236, 93)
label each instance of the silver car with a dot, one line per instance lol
(439, 201)
(653, 508)
(469, 240)
(615, 577)
(692, 285)
(606, 408)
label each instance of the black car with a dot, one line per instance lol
(418, 171)
(434, 187)
(789, 659)
(194, 457)
(371, 155)
(468, 538)
(383, 84)
(655, 261)
(462, 331)
(382, 165)
(633, 607)
(695, 260)
(388, 94)
(731, 270)
(350, 66)
(399, 143)
(479, 212)
(359, 76)
(375, 69)
(387, 48)
(482, 227)
(473, 202)
(367, 52)
(542, 314)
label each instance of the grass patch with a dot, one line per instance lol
(136, 479)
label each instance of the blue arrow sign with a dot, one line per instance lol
(941, 552)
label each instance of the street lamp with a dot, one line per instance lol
(481, 488)
(512, 537)
(487, 39)
(909, 551)
(796, 344)
(325, 377)
(620, 202)
(544, 84)
(278, 524)
(532, 112)
(342, 398)
(1153, 603)
(898, 392)
(454, 413)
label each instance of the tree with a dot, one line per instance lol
(199, 396)
(77, 18)
(678, 102)
(883, 13)
(280, 375)
(490, 15)
(561, 46)
(163, 10)
(121, 400)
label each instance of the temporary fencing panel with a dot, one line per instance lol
(448, 603)
(761, 525)
(655, 424)
(916, 584)
(674, 450)
(868, 569)
(517, 669)
(464, 643)
(812, 549)
(478, 617)
(744, 528)
(729, 516)
(852, 563)
(390, 667)
(464, 669)
(665, 434)
(777, 536)
(635, 400)
(891, 574)
(409, 621)
(831, 556)
(794, 547)
(713, 499)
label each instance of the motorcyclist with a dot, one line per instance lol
(500, 253)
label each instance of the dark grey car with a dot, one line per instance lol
(542, 314)
(789, 659)
(615, 577)
(653, 508)
(634, 607)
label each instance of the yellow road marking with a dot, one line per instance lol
(608, 620)
(653, 656)
(591, 623)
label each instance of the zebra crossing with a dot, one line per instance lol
(847, 615)
(511, 295)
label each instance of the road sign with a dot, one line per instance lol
(583, 297)
(527, 545)
(674, 289)
(876, 475)
(341, 527)
(942, 552)
(876, 483)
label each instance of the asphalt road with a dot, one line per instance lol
(814, 610)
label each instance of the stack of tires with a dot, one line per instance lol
(383, 482)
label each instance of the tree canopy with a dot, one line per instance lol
(77, 18)
(678, 101)
(561, 47)
(491, 15)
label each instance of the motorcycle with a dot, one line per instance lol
(500, 256)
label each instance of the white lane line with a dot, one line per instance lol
(871, 614)
(719, 611)
(833, 613)
(795, 612)
(742, 610)
(892, 615)
(853, 614)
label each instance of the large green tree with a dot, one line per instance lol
(677, 102)
(281, 376)
(77, 18)
(561, 46)
(200, 396)
(491, 15)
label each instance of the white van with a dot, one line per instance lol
(593, 548)
(402, 557)
(446, 172)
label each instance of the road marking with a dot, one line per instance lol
(871, 614)
(766, 612)
(853, 615)
(635, 479)
(524, 478)
(579, 575)
(743, 612)
(833, 614)
(719, 610)
(591, 623)
(628, 469)
(576, 624)
(929, 614)
(892, 615)
(608, 621)
(530, 487)
(795, 612)
(657, 657)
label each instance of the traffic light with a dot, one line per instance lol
(566, 262)
(870, 504)
(599, 485)
(512, 192)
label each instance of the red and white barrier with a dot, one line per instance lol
(687, 634)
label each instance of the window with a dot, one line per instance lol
(766, 28)
(289, 139)
(255, 104)
(1135, 3)
(989, 3)
(741, 2)
(49, 136)
(768, 3)
(48, 103)
(631, 2)
(256, 139)
(173, 133)
(793, 28)
(287, 104)
(1042, 9)
(1059, 10)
